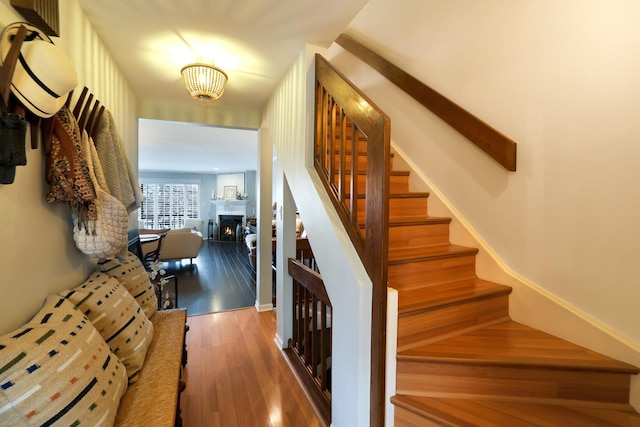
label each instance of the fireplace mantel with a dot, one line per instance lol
(230, 202)
(230, 207)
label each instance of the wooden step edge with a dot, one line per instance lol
(442, 418)
(447, 251)
(611, 366)
(462, 297)
(410, 195)
(408, 221)
(392, 173)
(406, 195)
(349, 138)
(358, 152)
(419, 404)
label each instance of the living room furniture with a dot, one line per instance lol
(177, 244)
(154, 241)
(97, 356)
(251, 238)
(154, 399)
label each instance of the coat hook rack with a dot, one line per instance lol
(88, 116)
(80, 102)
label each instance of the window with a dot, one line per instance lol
(167, 205)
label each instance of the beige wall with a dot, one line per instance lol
(560, 78)
(37, 253)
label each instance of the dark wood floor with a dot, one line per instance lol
(221, 278)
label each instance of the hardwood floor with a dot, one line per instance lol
(236, 376)
(220, 279)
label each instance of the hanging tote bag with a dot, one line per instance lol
(13, 127)
(106, 236)
(13, 132)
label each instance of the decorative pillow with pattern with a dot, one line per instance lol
(131, 274)
(57, 370)
(117, 316)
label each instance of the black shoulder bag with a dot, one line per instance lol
(13, 127)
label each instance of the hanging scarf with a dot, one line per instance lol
(67, 171)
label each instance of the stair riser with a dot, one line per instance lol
(413, 275)
(361, 165)
(400, 207)
(404, 418)
(397, 183)
(511, 382)
(362, 142)
(362, 161)
(422, 328)
(418, 235)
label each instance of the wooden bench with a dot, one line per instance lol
(154, 399)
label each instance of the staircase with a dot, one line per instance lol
(462, 361)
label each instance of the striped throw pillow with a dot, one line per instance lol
(57, 370)
(117, 316)
(131, 274)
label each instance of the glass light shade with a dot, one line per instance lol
(203, 81)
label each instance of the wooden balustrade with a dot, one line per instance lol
(352, 158)
(309, 349)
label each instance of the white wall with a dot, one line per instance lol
(560, 78)
(289, 120)
(37, 253)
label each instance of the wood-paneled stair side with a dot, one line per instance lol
(461, 360)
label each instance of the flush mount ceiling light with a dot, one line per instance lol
(204, 81)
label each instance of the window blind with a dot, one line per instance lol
(167, 205)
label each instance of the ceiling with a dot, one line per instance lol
(254, 41)
(168, 146)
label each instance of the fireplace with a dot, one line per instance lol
(230, 226)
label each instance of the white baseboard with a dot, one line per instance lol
(279, 342)
(264, 307)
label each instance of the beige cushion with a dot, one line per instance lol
(117, 316)
(132, 275)
(57, 369)
(151, 401)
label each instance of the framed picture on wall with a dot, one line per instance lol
(230, 192)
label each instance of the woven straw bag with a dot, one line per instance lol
(106, 236)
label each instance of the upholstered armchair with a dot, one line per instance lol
(177, 244)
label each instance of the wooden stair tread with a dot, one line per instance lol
(513, 344)
(417, 220)
(470, 412)
(392, 173)
(360, 152)
(410, 195)
(408, 221)
(407, 195)
(410, 254)
(447, 294)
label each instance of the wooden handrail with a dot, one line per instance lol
(495, 144)
(348, 124)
